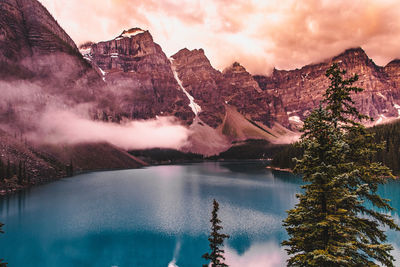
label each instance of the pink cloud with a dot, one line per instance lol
(260, 34)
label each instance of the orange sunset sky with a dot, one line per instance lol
(285, 34)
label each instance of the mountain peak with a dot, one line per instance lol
(235, 67)
(186, 52)
(352, 53)
(394, 62)
(195, 57)
(132, 32)
(354, 50)
(86, 45)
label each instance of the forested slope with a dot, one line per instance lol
(387, 133)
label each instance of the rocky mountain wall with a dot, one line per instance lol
(302, 89)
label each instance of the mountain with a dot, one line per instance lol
(212, 90)
(41, 69)
(34, 46)
(301, 90)
(40, 65)
(185, 86)
(135, 66)
(131, 78)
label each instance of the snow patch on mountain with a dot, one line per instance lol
(381, 119)
(103, 74)
(396, 106)
(380, 95)
(295, 119)
(85, 51)
(193, 105)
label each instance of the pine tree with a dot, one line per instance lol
(24, 177)
(216, 240)
(14, 169)
(2, 170)
(2, 264)
(8, 169)
(19, 175)
(331, 226)
(71, 168)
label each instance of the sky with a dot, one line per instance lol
(260, 34)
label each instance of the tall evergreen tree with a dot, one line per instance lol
(69, 169)
(2, 170)
(13, 169)
(19, 175)
(24, 177)
(331, 225)
(8, 169)
(2, 264)
(216, 240)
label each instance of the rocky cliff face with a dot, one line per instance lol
(30, 39)
(39, 62)
(213, 90)
(244, 93)
(201, 81)
(28, 28)
(285, 97)
(133, 62)
(392, 69)
(41, 68)
(301, 90)
(33, 47)
(139, 72)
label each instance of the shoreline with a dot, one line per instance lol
(279, 169)
(13, 187)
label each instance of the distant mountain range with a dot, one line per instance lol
(281, 100)
(131, 78)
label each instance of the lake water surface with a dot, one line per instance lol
(155, 216)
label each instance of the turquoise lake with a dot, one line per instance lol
(155, 216)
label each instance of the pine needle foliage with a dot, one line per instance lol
(216, 239)
(340, 216)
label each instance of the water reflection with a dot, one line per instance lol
(157, 216)
(268, 254)
(16, 201)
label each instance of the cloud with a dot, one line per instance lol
(46, 115)
(260, 34)
(66, 127)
